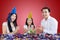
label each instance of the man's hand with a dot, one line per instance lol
(39, 29)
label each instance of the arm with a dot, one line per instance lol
(25, 29)
(16, 31)
(54, 27)
(4, 28)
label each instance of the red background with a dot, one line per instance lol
(24, 7)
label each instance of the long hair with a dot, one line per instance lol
(9, 20)
(31, 23)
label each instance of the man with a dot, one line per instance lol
(49, 24)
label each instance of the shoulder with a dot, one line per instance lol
(53, 20)
(32, 26)
(4, 23)
(25, 26)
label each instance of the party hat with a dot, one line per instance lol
(13, 10)
(30, 15)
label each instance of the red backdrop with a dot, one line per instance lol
(24, 7)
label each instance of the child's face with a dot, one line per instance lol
(29, 21)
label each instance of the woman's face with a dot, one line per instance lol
(13, 17)
(29, 21)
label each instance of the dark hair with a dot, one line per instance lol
(9, 20)
(31, 23)
(45, 8)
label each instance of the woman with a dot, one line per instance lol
(10, 26)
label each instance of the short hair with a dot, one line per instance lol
(46, 8)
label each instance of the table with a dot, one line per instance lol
(30, 36)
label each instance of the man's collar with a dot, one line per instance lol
(48, 17)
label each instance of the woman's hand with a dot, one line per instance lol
(16, 31)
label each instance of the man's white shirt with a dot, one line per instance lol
(50, 25)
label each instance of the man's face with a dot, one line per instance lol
(45, 13)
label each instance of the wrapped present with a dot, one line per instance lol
(31, 31)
